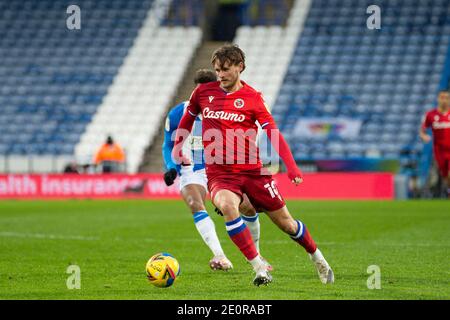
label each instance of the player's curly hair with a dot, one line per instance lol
(230, 53)
(204, 76)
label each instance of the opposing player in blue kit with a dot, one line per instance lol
(193, 181)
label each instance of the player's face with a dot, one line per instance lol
(228, 74)
(444, 99)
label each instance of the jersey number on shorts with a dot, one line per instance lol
(272, 190)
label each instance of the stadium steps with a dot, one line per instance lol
(145, 85)
(269, 49)
(152, 161)
(201, 61)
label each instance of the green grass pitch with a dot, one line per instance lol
(111, 242)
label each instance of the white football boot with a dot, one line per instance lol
(220, 263)
(262, 276)
(268, 265)
(324, 270)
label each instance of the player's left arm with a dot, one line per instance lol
(277, 140)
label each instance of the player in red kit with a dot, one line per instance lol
(438, 120)
(230, 109)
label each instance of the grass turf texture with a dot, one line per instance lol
(111, 241)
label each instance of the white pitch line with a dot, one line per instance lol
(8, 234)
(262, 241)
(406, 244)
(320, 243)
(369, 243)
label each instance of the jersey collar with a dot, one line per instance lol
(444, 114)
(230, 93)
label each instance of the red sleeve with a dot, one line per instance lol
(426, 121)
(277, 140)
(282, 148)
(262, 114)
(194, 105)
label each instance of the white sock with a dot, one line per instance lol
(317, 255)
(252, 223)
(207, 230)
(257, 263)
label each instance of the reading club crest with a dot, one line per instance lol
(239, 103)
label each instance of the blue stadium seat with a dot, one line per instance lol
(50, 77)
(387, 78)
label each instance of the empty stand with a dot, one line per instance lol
(268, 50)
(144, 86)
(53, 79)
(386, 78)
(63, 91)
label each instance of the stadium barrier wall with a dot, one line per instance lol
(151, 186)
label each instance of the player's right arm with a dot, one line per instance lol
(171, 124)
(426, 123)
(184, 128)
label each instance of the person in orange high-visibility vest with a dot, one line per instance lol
(110, 156)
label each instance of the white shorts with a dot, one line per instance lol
(189, 176)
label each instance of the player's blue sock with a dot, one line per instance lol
(205, 226)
